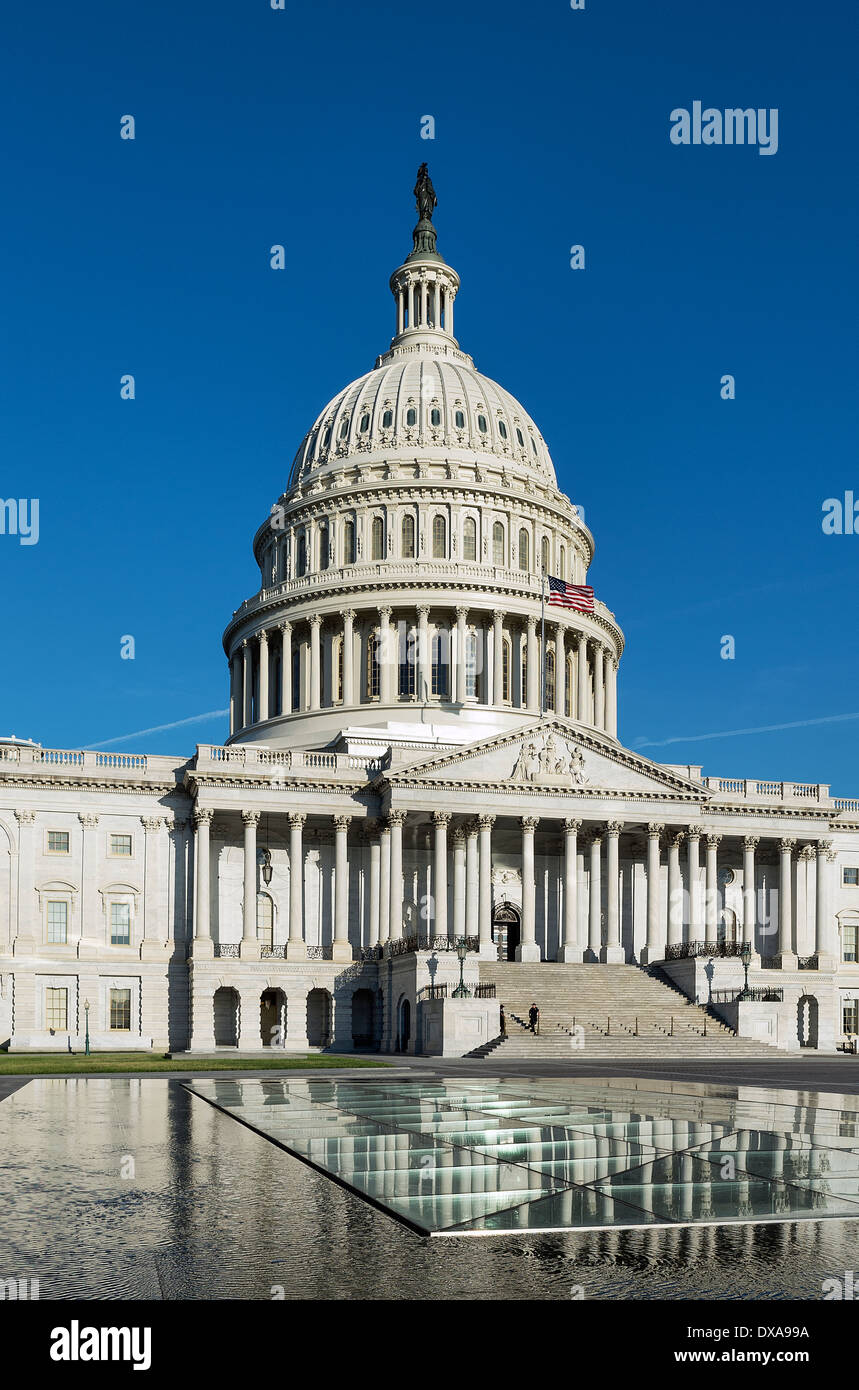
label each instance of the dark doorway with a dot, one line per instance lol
(506, 930)
(405, 1026)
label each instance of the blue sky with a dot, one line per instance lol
(302, 127)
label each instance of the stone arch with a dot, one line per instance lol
(272, 1016)
(404, 1024)
(506, 929)
(807, 1020)
(226, 1004)
(365, 1034)
(319, 1017)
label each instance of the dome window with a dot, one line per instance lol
(523, 550)
(544, 554)
(498, 544)
(411, 416)
(365, 423)
(435, 417)
(378, 538)
(521, 439)
(481, 424)
(469, 539)
(534, 445)
(502, 429)
(326, 438)
(387, 419)
(439, 538)
(344, 429)
(324, 557)
(349, 543)
(459, 420)
(408, 538)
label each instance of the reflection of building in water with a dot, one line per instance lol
(413, 757)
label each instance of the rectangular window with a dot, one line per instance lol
(408, 659)
(120, 1010)
(850, 878)
(58, 922)
(439, 665)
(120, 924)
(57, 1010)
(850, 1016)
(58, 842)
(121, 845)
(848, 940)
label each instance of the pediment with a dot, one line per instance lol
(550, 754)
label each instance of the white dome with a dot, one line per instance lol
(415, 398)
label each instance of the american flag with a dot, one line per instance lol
(577, 596)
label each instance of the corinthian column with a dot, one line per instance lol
(375, 886)
(263, 676)
(286, 668)
(696, 930)
(582, 683)
(599, 687)
(528, 950)
(295, 948)
(348, 657)
(750, 844)
(497, 659)
(785, 906)
(611, 696)
(341, 950)
(560, 670)
(485, 886)
(571, 949)
(439, 875)
(655, 948)
(595, 898)
(458, 882)
(315, 624)
(472, 895)
(27, 930)
(203, 946)
(250, 945)
(247, 685)
(532, 693)
(824, 935)
(712, 904)
(423, 654)
(396, 820)
(613, 952)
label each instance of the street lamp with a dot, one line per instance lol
(746, 956)
(86, 1015)
(462, 951)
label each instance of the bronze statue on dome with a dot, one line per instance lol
(425, 195)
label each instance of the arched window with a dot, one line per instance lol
(301, 557)
(533, 446)
(265, 920)
(387, 419)
(523, 675)
(378, 546)
(344, 427)
(562, 563)
(349, 543)
(498, 544)
(296, 677)
(374, 684)
(365, 423)
(481, 424)
(323, 547)
(502, 429)
(523, 550)
(337, 661)
(435, 416)
(459, 420)
(520, 439)
(407, 644)
(326, 438)
(439, 665)
(469, 539)
(568, 689)
(505, 672)
(411, 416)
(550, 680)
(408, 537)
(544, 554)
(439, 538)
(471, 680)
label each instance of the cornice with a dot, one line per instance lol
(91, 784)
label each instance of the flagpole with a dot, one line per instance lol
(543, 644)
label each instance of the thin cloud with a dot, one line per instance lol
(162, 728)
(735, 733)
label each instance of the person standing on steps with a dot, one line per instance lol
(503, 1022)
(534, 1019)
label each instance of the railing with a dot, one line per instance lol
(687, 950)
(750, 789)
(319, 952)
(770, 962)
(272, 952)
(433, 992)
(84, 759)
(226, 949)
(761, 995)
(808, 963)
(407, 944)
(247, 755)
(484, 991)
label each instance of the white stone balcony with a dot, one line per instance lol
(273, 763)
(86, 763)
(743, 789)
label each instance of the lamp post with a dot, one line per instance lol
(86, 1039)
(746, 956)
(462, 951)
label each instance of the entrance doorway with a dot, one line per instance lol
(405, 1028)
(506, 930)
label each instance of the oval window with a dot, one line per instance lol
(481, 424)
(411, 416)
(460, 420)
(520, 439)
(326, 438)
(387, 419)
(435, 417)
(344, 429)
(534, 444)
(365, 423)
(502, 429)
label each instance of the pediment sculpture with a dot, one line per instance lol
(549, 757)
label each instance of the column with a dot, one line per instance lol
(613, 952)
(785, 906)
(800, 912)
(655, 947)
(423, 682)
(423, 285)
(472, 894)
(582, 680)
(203, 946)
(487, 950)
(235, 692)
(411, 292)
(560, 670)
(750, 844)
(385, 656)
(384, 882)
(315, 624)
(154, 922)
(342, 951)
(824, 934)
(375, 880)
(611, 696)
(348, 658)
(400, 312)
(497, 659)
(695, 930)
(570, 949)
(449, 296)
(439, 873)
(532, 694)
(675, 890)
(458, 840)
(595, 898)
(250, 945)
(599, 687)
(461, 615)
(295, 948)
(263, 676)
(286, 668)
(528, 950)
(395, 911)
(247, 685)
(712, 899)
(27, 930)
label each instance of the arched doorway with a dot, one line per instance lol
(728, 928)
(272, 1017)
(319, 1018)
(806, 1020)
(404, 1029)
(363, 1032)
(506, 930)
(226, 1010)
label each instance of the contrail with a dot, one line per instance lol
(734, 733)
(162, 728)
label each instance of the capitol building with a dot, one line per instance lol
(423, 809)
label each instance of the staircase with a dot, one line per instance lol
(591, 1011)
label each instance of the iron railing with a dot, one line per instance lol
(760, 995)
(227, 948)
(484, 991)
(808, 963)
(687, 950)
(407, 944)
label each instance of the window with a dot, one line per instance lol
(120, 846)
(323, 548)
(301, 558)
(120, 924)
(373, 672)
(520, 439)
(523, 550)
(439, 665)
(296, 677)
(407, 534)
(471, 688)
(523, 675)
(439, 538)
(502, 429)
(265, 919)
(481, 424)
(850, 878)
(57, 1010)
(544, 554)
(326, 438)
(349, 543)
(498, 544)
(365, 423)
(58, 842)
(469, 539)
(344, 428)
(378, 543)
(459, 420)
(533, 446)
(408, 643)
(505, 672)
(568, 689)
(120, 1010)
(411, 416)
(849, 932)
(550, 680)
(338, 671)
(562, 563)
(387, 419)
(850, 1016)
(58, 922)
(435, 416)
